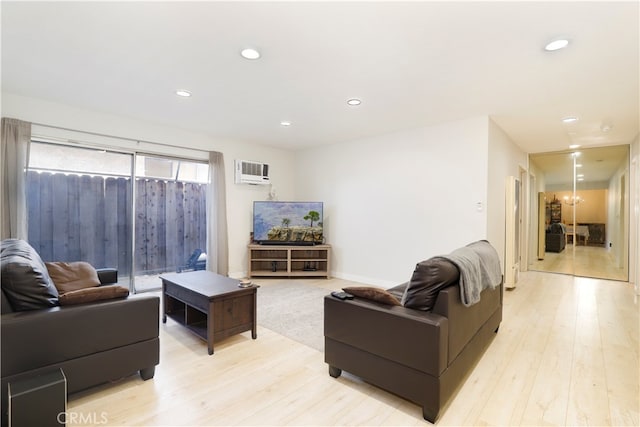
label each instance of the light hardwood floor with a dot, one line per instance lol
(586, 261)
(566, 354)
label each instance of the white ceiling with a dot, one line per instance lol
(597, 165)
(413, 64)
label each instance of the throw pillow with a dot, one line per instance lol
(428, 279)
(71, 276)
(82, 296)
(373, 294)
(24, 277)
(398, 290)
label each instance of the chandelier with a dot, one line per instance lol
(573, 200)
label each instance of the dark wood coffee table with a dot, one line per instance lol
(210, 305)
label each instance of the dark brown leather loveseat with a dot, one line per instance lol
(92, 343)
(422, 354)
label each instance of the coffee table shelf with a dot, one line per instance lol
(211, 306)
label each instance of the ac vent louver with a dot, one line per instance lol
(249, 172)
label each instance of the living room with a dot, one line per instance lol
(392, 197)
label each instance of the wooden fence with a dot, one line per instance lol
(88, 218)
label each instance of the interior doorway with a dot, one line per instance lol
(584, 229)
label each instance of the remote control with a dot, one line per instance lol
(341, 295)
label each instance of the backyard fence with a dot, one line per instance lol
(88, 218)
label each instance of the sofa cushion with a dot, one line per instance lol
(373, 294)
(82, 296)
(71, 276)
(24, 277)
(428, 279)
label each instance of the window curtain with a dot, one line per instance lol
(217, 240)
(16, 137)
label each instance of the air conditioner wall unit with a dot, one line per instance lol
(249, 172)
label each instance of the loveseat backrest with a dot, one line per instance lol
(464, 322)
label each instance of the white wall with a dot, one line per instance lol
(505, 159)
(390, 201)
(618, 215)
(394, 200)
(239, 197)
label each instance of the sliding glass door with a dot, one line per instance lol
(79, 203)
(170, 212)
(141, 214)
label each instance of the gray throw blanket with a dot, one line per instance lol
(479, 267)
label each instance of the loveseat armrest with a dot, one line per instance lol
(107, 276)
(409, 337)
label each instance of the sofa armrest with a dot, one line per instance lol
(107, 276)
(412, 338)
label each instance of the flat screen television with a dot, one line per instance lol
(287, 223)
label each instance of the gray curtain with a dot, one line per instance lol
(16, 137)
(217, 240)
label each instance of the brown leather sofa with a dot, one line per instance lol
(93, 343)
(421, 355)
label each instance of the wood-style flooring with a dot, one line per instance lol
(566, 354)
(586, 261)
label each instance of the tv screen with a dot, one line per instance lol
(287, 222)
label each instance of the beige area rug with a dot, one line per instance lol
(294, 309)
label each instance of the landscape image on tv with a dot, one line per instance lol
(287, 222)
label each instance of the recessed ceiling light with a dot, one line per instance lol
(183, 93)
(354, 101)
(572, 146)
(250, 53)
(580, 175)
(556, 45)
(578, 165)
(570, 119)
(285, 123)
(580, 179)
